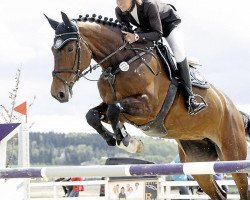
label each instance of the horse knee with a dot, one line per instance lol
(93, 117)
(114, 111)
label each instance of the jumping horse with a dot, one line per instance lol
(136, 89)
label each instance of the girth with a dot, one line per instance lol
(156, 128)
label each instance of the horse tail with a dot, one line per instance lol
(246, 120)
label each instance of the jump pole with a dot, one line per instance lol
(128, 170)
(19, 188)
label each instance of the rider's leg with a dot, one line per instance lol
(194, 106)
(176, 43)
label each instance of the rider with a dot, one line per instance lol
(154, 19)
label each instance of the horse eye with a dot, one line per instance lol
(70, 49)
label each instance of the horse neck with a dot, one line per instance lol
(102, 41)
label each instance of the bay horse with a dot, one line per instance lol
(135, 91)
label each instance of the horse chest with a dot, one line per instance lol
(122, 84)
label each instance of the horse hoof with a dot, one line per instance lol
(125, 141)
(134, 146)
(140, 146)
(111, 142)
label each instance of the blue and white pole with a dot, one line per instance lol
(129, 170)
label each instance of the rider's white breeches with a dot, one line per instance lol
(176, 43)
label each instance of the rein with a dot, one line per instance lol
(108, 72)
(149, 51)
(91, 68)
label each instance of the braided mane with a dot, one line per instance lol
(104, 21)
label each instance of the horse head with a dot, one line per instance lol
(69, 63)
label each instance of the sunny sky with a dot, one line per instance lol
(217, 33)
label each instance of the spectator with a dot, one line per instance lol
(122, 195)
(66, 189)
(115, 194)
(130, 193)
(127, 187)
(137, 190)
(76, 188)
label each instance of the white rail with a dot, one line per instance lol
(166, 194)
(165, 189)
(55, 186)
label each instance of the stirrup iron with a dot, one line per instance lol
(194, 112)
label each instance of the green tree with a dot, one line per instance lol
(81, 148)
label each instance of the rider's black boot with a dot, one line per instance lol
(193, 106)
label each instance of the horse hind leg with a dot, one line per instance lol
(210, 187)
(240, 179)
(202, 151)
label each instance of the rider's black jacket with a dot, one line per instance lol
(156, 19)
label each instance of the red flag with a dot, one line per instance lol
(22, 108)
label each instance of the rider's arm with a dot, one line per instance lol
(155, 32)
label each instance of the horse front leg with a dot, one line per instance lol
(113, 114)
(94, 118)
(135, 106)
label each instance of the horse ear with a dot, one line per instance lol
(52, 22)
(66, 20)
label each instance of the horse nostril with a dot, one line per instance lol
(61, 95)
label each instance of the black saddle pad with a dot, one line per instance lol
(170, 68)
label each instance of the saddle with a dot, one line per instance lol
(171, 69)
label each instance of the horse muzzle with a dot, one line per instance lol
(63, 94)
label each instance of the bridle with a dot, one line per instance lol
(77, 61)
